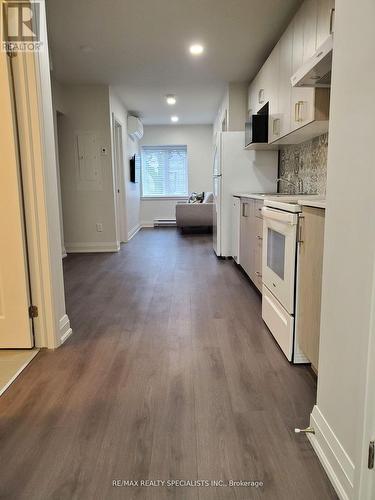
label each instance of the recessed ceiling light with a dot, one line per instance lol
(174, 119)
(171, 99)
(196, 49)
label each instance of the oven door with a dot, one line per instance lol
(279, 255)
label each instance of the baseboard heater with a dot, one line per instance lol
(164, 222)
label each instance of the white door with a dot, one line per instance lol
(15, 325)
(216, 229)
(279, 255)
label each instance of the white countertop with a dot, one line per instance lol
(255, 196)
(318, 203)
(307, 200)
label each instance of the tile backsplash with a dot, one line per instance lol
(306, 161)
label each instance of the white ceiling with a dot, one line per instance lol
(141, 48)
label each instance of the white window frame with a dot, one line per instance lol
(165, 197)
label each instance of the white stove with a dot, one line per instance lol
(281, 216)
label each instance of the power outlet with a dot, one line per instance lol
(99, 227)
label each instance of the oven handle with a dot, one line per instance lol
(280, 216)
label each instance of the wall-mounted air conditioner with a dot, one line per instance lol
(135, 128)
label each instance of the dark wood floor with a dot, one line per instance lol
(170, 374)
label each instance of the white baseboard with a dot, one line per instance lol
(65, 329)
(92, 247)
(147, 224)
(134, 231)
(336, 462)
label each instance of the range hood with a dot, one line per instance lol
(316, 72)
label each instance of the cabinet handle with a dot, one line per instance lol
(259, 237)
(258, 274)
(300, 225)
(331, 21)
(302, 104)
(296, 111)
(276, 129)
(244, 209)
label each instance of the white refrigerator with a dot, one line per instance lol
(237, 170)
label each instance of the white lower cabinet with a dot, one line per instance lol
(250, 238)
(246, 217)
(236, 222)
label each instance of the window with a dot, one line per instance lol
(164, 171)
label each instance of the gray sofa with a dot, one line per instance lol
(193, 215)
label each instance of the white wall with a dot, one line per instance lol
(198, 139)
(349, 249)
(86, 108)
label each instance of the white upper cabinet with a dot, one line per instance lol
(297, 27)
(263, 88)
(253, 101)
(310, 17)
(291, 108)
(271, 75)
(280, 122)
(325, 20)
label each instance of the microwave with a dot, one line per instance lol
(256, 129)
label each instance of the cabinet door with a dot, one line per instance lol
(310, 15)
(271, 74)
(310, 282)
(257, 253)
(297, 50)
(253, 104)
(272, 91)
(280, 124)
(302, 107)
(245, 236)
(325, 20)
(236, 222)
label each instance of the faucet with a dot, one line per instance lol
(297, 187)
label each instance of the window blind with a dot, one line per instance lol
(164, 171)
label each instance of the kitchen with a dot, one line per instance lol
(278, 237)
(256, 363)
(278, 228)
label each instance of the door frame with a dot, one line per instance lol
(119, 179)
(366, 478)
(38, 162)
(15, 226)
